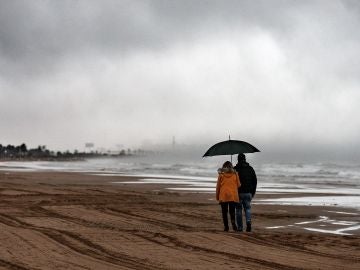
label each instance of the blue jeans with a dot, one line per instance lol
(245, 202)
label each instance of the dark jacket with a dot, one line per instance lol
(247, 178)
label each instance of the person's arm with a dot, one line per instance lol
(218, 188)
(238, 180)
(254, 183)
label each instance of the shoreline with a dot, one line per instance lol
(68, 220)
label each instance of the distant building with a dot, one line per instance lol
(173, 143)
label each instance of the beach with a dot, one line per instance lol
(72, 220)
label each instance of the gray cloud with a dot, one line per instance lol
(128, 71)
(34, 35)
(37, 34)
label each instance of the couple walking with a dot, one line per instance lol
(236, 186)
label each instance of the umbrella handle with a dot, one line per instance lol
(230, 155)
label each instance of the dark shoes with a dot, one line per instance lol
(248, 226)
(226, 229)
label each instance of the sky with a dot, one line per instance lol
(282, 75)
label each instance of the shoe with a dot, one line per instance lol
(226, 229)
(248, 226)
(234, 227)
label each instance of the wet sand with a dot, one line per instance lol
(78, 221)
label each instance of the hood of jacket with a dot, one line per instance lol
(226, 171)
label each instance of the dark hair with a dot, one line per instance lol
(228, 165)
(241, 157)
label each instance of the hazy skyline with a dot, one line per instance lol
(133, 72)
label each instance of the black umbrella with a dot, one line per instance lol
(230, 147)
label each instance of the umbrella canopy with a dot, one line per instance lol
(230, 147)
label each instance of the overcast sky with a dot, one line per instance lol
(135, 72)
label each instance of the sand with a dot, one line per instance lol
(76, 221)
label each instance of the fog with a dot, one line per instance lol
(282, 75)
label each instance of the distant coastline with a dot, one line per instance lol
(41, 153)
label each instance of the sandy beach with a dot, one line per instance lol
(51, 220)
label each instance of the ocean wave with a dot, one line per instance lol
(267, 173)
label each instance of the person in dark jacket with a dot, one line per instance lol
(246, 192)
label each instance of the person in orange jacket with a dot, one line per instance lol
(227, 193)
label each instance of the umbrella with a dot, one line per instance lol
(230, 147)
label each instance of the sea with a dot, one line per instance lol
(332, 184)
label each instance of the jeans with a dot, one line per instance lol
(225, 208)
(244, 203)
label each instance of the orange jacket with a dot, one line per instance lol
(227, 186)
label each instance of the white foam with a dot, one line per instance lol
(338, 231)
(160, 176)
(345, 213)
(323, 221)
(306, 222)
(308, 189)
(207, 190)
(341, 201)
(344, 223)
(327, 231)
(276, 227)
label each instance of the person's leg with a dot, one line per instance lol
(224, 211)
(238, 213)
(247, 208)
(232, 215)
